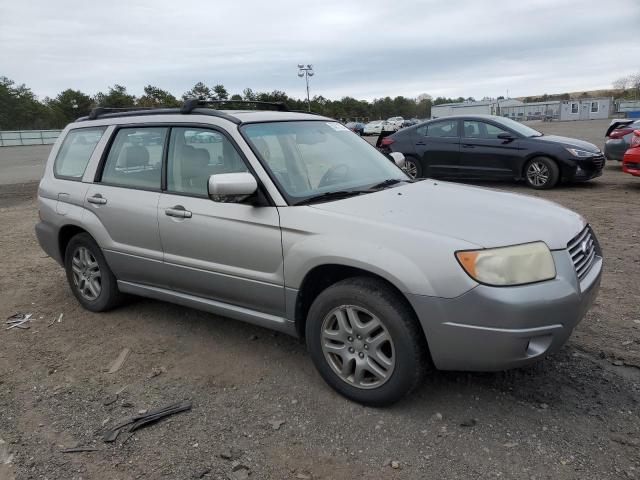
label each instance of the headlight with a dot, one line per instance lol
(516, 265)
(576, 152)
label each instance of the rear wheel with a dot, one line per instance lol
(541, 173)
(366, 341)
(412, 167)
(89, 276)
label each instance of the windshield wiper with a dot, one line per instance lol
(323, 197)
(387, 183)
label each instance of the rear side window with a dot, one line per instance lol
(135, 158)
(75, 152)
(447, 128)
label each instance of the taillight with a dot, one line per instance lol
(386, 141)
(620, 132)
(635, 140)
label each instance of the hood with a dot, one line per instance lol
(569, 142)
(485, 217)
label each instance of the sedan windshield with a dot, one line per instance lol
(518, 127)
(310, 159)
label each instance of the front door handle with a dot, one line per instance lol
(178, 211)
(97, 199)
(420, 143)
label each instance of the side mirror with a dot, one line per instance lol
(506, 136)
(231, 187)
(398, 158)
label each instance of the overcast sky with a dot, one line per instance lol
(361, 49)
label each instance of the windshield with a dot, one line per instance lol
(311, 158)
(518, 127)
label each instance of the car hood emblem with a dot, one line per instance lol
(585, 247)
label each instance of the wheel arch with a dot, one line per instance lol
(66, 233)
(323, 276)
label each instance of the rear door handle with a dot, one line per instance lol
(420, 143)
(97, 199)
(468, 145)
(178, 211)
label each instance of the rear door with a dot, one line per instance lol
(438, 146)
(122, 205)
(228, 252)
(484, 155)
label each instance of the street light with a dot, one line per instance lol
(306, 71)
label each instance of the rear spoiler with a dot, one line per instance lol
(617, 123)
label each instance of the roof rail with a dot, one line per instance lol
(189, 105)
(98, 111)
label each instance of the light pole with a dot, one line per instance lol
(306, 71)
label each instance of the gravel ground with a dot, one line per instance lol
(258, 400)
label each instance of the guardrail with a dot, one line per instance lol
(28, 137)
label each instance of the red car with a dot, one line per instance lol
(631, 160)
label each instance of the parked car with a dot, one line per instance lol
(296, 227)
(396, 122)
(356, 127)
(490, 147)
(619, 135)
(631, 159)
(409, 123)
(375, 127)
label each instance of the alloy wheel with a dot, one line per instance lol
(87, 277)
(538, 174)
(410, 168)
(358, 347)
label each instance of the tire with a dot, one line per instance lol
(86, 270)
(541, 173)
(406, 348)
(412, 164)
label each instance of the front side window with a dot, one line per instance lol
(135, 158)
(76, 151)
(197, 153)
(309, 158)
(448, 128)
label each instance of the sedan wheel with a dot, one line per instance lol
(412, 168)
(541, 173)
(538, 174)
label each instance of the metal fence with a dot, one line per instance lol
(28, 137)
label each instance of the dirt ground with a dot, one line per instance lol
(257, 398)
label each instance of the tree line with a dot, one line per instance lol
(20, 108)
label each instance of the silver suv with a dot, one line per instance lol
(292, 222)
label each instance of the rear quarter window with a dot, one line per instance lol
(75, 152)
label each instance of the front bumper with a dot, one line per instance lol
(584, 169)
(497, 328)
(631, 162)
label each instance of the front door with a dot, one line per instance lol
(122, 206)
(484, 155)
(228, 252)
(438, 146)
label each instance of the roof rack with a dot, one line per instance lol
(98, 111)
(189, 105)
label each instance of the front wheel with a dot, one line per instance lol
(541, 173)
(366, 341)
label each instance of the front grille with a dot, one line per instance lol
(583, 251)
(598, 162)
